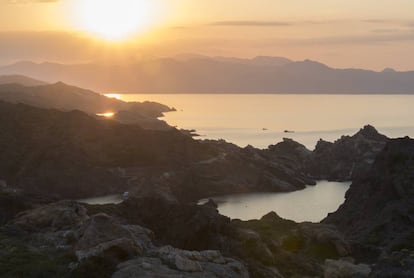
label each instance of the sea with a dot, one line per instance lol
(263, 120)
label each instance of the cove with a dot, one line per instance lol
(310, 204)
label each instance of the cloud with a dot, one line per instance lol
(378, 20)
(401, 22)
(261, 23)
(385, 30)
(249, 23)
(368, 39)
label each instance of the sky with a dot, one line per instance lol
(371, 34)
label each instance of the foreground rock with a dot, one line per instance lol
(92, 245)
(184, 226)
(345, 268)
(275, 247)
(100, 241)
(377, 213)
(385, 196)
(171, 262)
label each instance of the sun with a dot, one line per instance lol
(115, 19)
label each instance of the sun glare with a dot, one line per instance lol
(106, 114)
(115, 96)
(115, 19)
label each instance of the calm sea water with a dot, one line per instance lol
(311, 204)
(260, 120)
(103, 200)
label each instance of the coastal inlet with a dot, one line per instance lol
(311, 204)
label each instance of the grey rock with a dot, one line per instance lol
(53, 217)
(121, 247)
(155, 267)
(187, 265)
(326, 234)
(3, 184)
(345, 269)
(102, 232)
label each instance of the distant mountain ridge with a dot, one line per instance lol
(202, 74)
(20, 79)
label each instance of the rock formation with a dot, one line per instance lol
(102, 240)
(377, 213)
(347, 157)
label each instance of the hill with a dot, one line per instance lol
(67, 98)
(20, 79)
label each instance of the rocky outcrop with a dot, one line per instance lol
(72, 155)
(101, 234)
(12, 203)
(172, 262)
(347, 157)
(395, 264)
(103, 241)
(53, 217)
(235, 170)
(293, 249)
(289, 158)
(184, 226)
(345, 268)
(378, 207)
(377, 213)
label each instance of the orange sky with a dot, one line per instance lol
(367, 34)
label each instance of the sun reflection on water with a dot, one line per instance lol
(106, 115)
(115, 96)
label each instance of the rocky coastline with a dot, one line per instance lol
(51, 156)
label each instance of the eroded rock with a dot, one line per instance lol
(345, 269)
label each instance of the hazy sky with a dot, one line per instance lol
(353, 33)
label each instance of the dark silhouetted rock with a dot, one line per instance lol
(379, 205)
(347, 157)
(345, 268)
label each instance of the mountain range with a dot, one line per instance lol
(203, 74)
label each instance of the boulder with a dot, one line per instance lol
(345, 269)
(396, 264)
(53, 217)
(326, 235)
(171, 262)
(102, 234)
(3, 184)
(184, 226)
